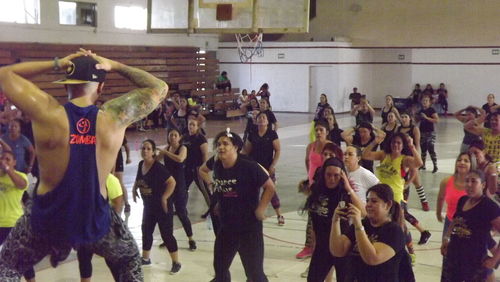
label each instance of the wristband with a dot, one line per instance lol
(362, 228)
(57, 66)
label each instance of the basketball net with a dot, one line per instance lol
(249, 45)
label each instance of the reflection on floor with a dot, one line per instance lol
(281, 242)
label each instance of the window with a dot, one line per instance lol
(132, 17)
(77, 13)
(24, 12)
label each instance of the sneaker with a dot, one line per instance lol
(205, 215)
(163, 245)
(281, 220)
(424, 237)
(127, 208)
(435, 169)
(305, 253)
(176, 267)
(192, 245)
(425, 206)
(145, 261)
(422, 168)
(305, 273)
(413, 259)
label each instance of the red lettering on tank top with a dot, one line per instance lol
(76, 139)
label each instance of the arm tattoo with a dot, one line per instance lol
(131, 107)
(138, 103)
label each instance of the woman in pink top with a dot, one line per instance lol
(452, 188)
(314, 149)
(314, 160)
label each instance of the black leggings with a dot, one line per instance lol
(150, 218)
(192, 175)
(249, 245)
(321, 263)
(180, 199)
(84, 256)
(213, 216)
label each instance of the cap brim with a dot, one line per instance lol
(70, 81)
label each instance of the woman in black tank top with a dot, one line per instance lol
(407, 127)
(411, 130)
(390, 127)
(174, 156)
(389, 107)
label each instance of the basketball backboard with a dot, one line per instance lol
(229, 16)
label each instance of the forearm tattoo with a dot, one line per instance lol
(133, 106)
(138, 103)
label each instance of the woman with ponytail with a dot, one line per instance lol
(376, 244)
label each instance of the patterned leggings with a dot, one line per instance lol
(427, 141)
(23, 249)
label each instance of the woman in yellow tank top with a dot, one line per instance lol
(399, 153)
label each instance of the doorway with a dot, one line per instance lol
(324, 79)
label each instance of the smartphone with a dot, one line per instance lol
(342, 204)
(344, 208)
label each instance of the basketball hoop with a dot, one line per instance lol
(249, 45)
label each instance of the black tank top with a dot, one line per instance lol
(409, 132)
(177, 171)
(388, 136)
(385, 114)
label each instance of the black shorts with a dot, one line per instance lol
(119, 162)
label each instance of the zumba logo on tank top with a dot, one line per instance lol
(83, 127)
(226, 187)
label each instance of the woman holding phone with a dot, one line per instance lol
(371, 260)
(331, 190)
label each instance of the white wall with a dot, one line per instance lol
(469, 73)
(50, 31)
(371, 70)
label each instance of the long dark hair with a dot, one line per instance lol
(256, 102)
(409, 115)
(319, 186)
(172, 129)
(153, 145)
(406, 150)
(385, 193)
(322, 123)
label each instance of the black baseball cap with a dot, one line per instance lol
(83, 70)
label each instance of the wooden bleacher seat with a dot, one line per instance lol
(182, 65)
